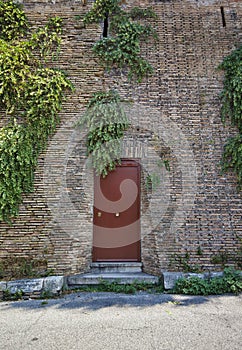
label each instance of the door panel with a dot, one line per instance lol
(116, 215)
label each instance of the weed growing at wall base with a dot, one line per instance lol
(23, 267)
(231, 282)
(116, 287)
(7, 295)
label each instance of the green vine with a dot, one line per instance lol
(47, 39)
(106, 122)
(31, 96)
(16, 167)
(105, 118)
(15, 68)
(232, 109)
(122, 48)
(232, 157)
(13, 22)
(232, 92)
(100, 9)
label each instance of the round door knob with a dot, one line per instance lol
(117, 214)
(99, 214)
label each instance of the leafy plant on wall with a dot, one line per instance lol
(120, 49)
(13, 22)
(106, 122)
(31, 96)
(122, 46)
(232, 109)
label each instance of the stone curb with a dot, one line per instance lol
(170, 278)
(52, 285)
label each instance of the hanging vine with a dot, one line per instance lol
(31, 96)
(232, 109)
(106, 122)
(232, 157)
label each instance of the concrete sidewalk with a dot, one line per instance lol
(127, 322)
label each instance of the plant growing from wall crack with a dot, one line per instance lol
(31, 96)
(232, 109)
(121, 48)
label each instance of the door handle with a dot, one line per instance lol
(117, 214)
(99, 214)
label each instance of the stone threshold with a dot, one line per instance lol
(123, 267)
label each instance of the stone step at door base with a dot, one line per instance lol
(119, 277)
(103, 267)
(118, 272)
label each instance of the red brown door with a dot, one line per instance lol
(116, 215)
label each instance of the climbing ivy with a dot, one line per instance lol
(13, 22)
(232, 108)
(232, 157)
(18, 64)
(122, 48)
(47, 39)
(232, 91)
(15, 69)
(105, 118)
(100, 9)
(31, 96)
(17, 163)
(43, 101)
(106, 122)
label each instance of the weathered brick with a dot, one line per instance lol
(176, 113)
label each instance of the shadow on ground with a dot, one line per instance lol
(96, 301)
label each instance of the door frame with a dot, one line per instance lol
(126, 162)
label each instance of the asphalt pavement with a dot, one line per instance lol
(106, 321)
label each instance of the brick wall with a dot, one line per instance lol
(175, 116)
